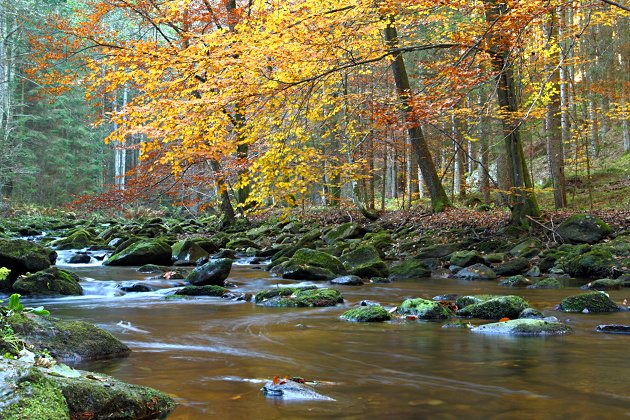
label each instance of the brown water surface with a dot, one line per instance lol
(213, 354)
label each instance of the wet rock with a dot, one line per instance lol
(591, 302)
(66, 340)
(311, 257)
(457, 324)
(466, 300)
(225, 253)
(495, 308)
(52, 281)
(241, 243)
(523, 327)
(144, 252)
(446, 297)
(345, 231)
(594, 263)
(365, 262)
(606, 284)
(533, 272)
(211, 290)
(21, 256)
(287, 270)
(583, 228)
(187, 252)
(372, 313)
(531, 313)
(213, 272)
(347, 281)
(424, 309)
(266, 294)
(512, 267)
(477, 272)
(466, 258)
(613, 329)
(515, 281)
(79, 258)
(409, 269)
(78, 239)
(151, 269)
(136, 288)
(548, 283)
(292, 391)
(304, 298)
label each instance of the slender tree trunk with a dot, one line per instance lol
(439, 199)
(484, 156)
(524, 203)
(229, 216)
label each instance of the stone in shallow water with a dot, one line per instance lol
(476, 272)
(292, 391)
(613, 329)
(372, 313)
(527, 327)
(347, 281)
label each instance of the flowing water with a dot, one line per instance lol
(213, 354)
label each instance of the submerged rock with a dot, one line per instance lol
(52, 281)
(583, 228)
(371, 313)
(424, 309)
(527, 327)
(211, 290)
(29, 392)
(292, 391)
(213, 272)
(495, 308)
(66, 340)
(591, 302)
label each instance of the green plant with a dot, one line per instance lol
(16, 306)
(8, 337)
(4, 273)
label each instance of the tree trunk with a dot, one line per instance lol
(226, 205)
(524, 202)
(439, 199)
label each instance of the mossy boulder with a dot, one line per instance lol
(531, 313)
(241, 243)
(151, 251)
(437, 251)
(344, 231)
(66, 340)
(495, 308)
(409, 269)
(187, 252)
(466, 300)
(311, 257)
(515, 281)
(214, 272)
(52, 281)
(424, 309)
(476, 272)
(287, 270)
(22, 256)
(583, 228)
(591, 302)
(365, 262)
(211, 290)
(380, 240)
(267, 294)
(517, 265)
(466, 258)
(371, 313)
(548, 283)
(594, 263)
(78, 239)
(523, 327)
(306, 298)
(606, 284)
(527, 249)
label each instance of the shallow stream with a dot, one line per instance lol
(213, 354)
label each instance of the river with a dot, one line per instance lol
(213, 354)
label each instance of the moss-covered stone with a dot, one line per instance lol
(527, 249)
(365, 262)
(315, 258)
(344, 231)
(424, 309)
(437, 251)
(21, 256)
(66, 340)
(606, 284)
(187, 252)
(466, 300)
(495, 308)
(517, 265)
(523, 327)
(583, 228)
(476, 272)
(214, 272)
(380, 240)
(592, 302)
(595, 263)
(531, 313)
(371, 313)
(347, 281)
(304, 298)
(548, 283)
(241, 243)
(266, 294)
(409, 269)
(211, 290)
(466, 258)
(144, 252)
(78, 239)
(515, 281)
(52, 281)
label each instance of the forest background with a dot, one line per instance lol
(230, 106)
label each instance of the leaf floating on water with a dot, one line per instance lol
(504, 319)
(64, 371)
(236, 397)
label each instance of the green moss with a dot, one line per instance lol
(495, 308)
(471, 299)
(524, 327)
(409, 269)
(143, 252)
(592, 302)
(605, 284)
(465, 258)
(299, 297)
(515, 281)
(365, 262)
(211, 290)
(78, 239)
(594, 263)
(547, 284)
(372, 313)
(52, 281)
(315, 258)
(37, 398)
(424, 309)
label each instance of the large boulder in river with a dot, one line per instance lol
(300, 297)
(520, 327)
(588, 302)
(21, 256)
(495, 308)
(365, 261)
(30, 392)
(309, 264)
(66, 340)
(214, 272)
(52, 281)
(595, 263)
(424, 309)
(153, 251)
(370, 313)
(583, 228)
(188, 252)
